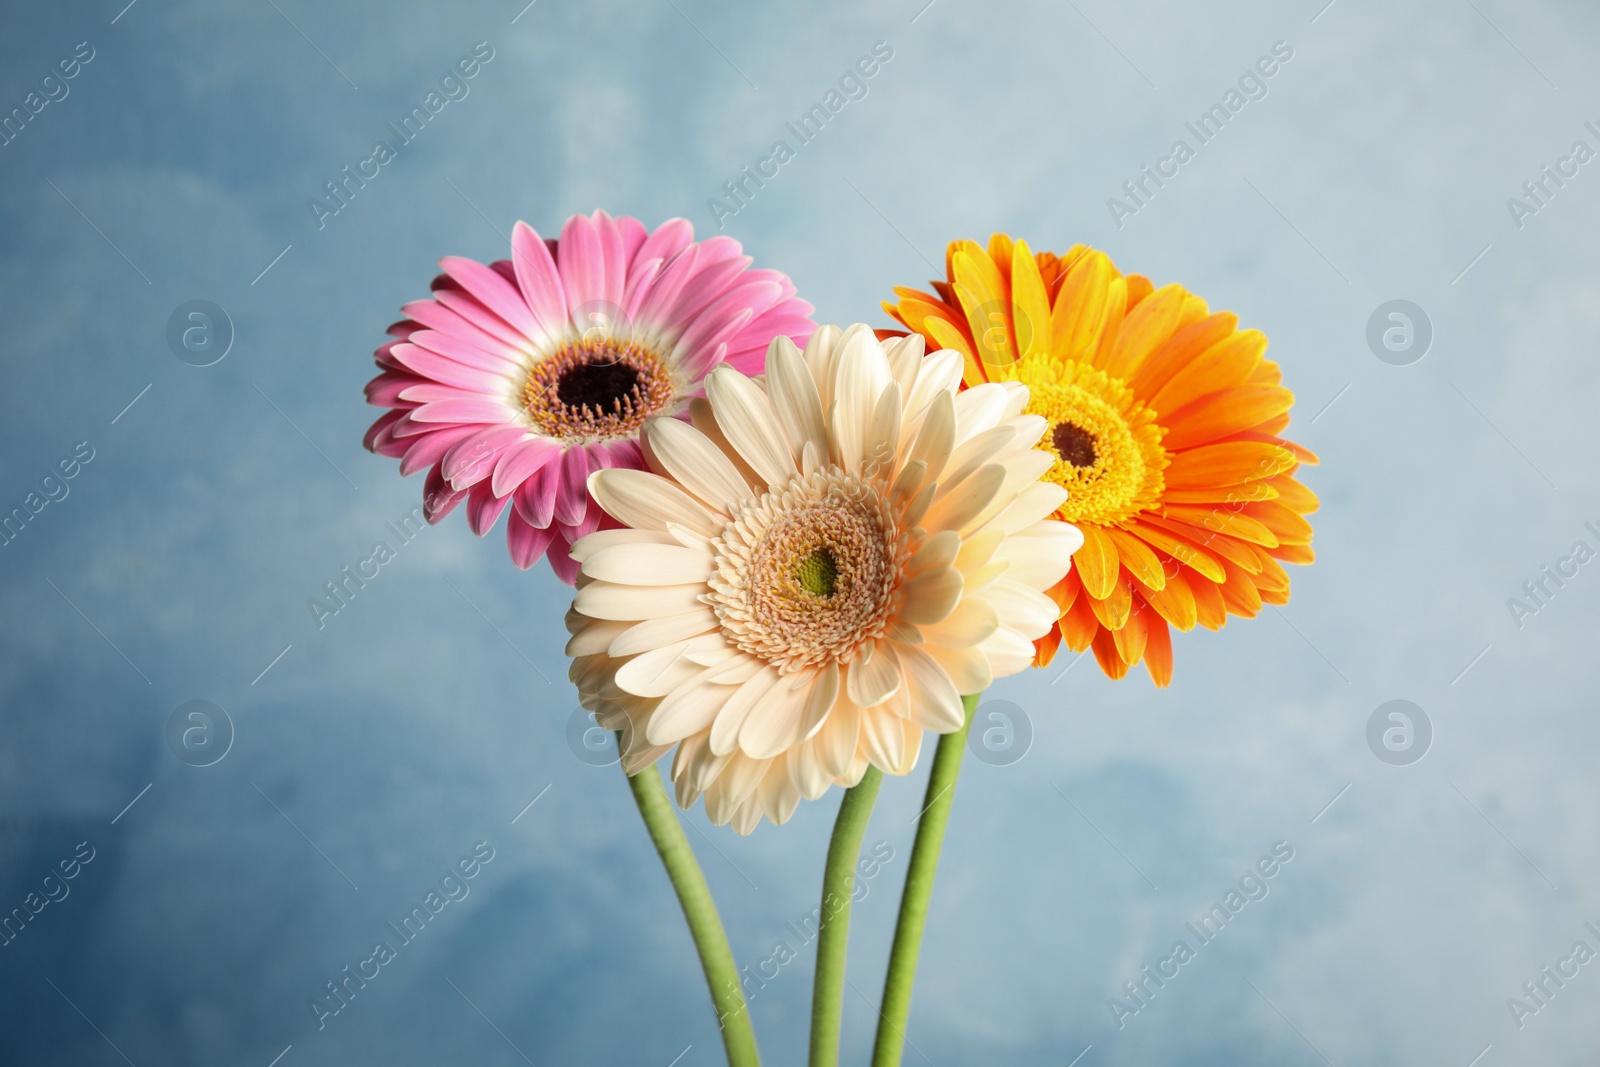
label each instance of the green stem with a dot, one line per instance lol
(722, 973)
(833, 937)
(914, 898)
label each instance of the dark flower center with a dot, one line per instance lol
(596, 384)
(1074, 444)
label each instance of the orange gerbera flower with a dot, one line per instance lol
(1165, 419)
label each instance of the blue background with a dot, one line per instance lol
(427, 714)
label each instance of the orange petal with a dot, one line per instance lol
(1112, 611)
(1240, 594)
(1044, 649)
(1219, 495)
(1130, 638)
(1065, 592)
(1096, 562)
(1223, 413)
(1293, 495)
(1231, 520)
(1030, 305)
(1210, 610)
(1158, 653)
(1105, 653)
(1079, 314)
(1180, 548)
(1180, 349)
(1145, 328)
(1078, 626)
(1239, 553)
(1141, 562)
(1229, 463)
(1139, 287)
(945, 335)
(1301, 554)
(1116, 312)
(1224, 365)
(1289, 528)
(1173, 601)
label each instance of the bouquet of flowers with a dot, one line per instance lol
(796, 549)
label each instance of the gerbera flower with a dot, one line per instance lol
(518, 379)
(814, 571)
(1165, 422)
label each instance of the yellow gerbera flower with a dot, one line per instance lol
(1165, 420)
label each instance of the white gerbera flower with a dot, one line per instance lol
(814, 570)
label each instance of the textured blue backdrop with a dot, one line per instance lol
(178, 163)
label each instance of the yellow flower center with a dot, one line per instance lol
(596, 388)
(1107, 444)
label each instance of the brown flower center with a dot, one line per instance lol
(596, 388)
(1074, 444)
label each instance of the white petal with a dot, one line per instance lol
(583, 547)
(937, 437)
(1041, 555)
(935, 703)
(936, 553)
(968, 668)
(905, 360)
(594, 637)
(725, 731)
(661, 670)
(940, 374)
(1027, 611)
(929, 598)
(979, 408)
(810, 777)
(883, 435)
(1008, 652)
(908, 758)
(875, 675)
(697, 463)
(603, 600)
(778, 794)
(649, 565)
(776, 722)
(836, 741)
(883, 738)
(1033, 504)
(973, 620)
(968, 500)
(648, 501)
(861, 374)
(686, 712)
(819, 353)
(794, 396)
(653, 633)
(746, 417)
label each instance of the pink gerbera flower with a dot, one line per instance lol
(518, 379)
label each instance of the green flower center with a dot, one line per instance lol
(818, 573)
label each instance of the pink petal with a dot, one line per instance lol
(536, 497)
(483, 508)
(670, 238)
(614, 250)
(384, 390)
(498, 359)
(527, 543)
(468, 307)
(378, 438)
(429, 448)
(640, 279)
(572, 494)
(561, 561)
(520, 460)
(479, 409)
(474, 454)
(438, 499)
(583, 270)
(538, 278)
(633, 236)
(695, 365)
(708, 283)
(659, 297)
(439, 368)
(438, 316)
(495, 293)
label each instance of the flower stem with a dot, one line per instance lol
(833, 937)
(914, 898)
(722, 973)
